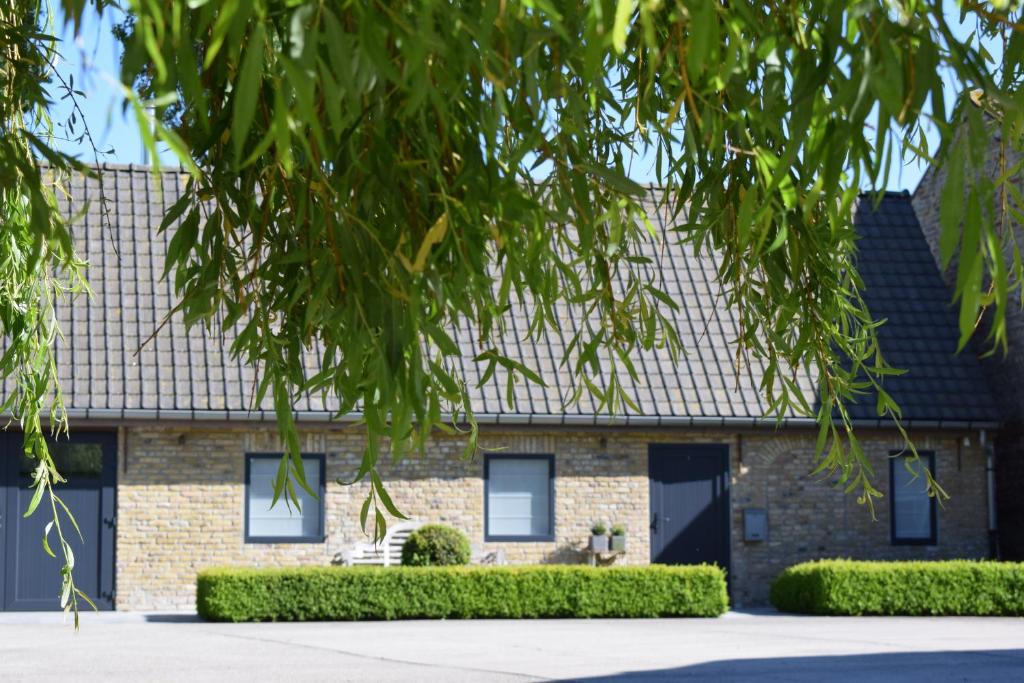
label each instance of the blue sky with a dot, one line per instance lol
(93, 59)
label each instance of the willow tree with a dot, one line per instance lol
(363, 175)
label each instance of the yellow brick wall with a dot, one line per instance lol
(181, 499)
(809, 518)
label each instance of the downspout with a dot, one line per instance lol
(990, 478)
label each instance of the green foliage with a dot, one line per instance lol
(384, 172)
(39, 270)
(366, 177)
(435, 545)
(526, 592)
(618, 530)
(598, 529)
(955, 587)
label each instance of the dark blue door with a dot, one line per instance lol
(689, 503)
(31, 579)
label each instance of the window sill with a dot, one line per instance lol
(519, 539)
(263, 540)
(914, 541)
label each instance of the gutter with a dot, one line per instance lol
(990, 490)
(562, 420)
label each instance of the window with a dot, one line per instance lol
(77, 459)
(912, 509)
(282, 523)
(519, 497)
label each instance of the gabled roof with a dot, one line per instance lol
(902, 284)
(184, 374)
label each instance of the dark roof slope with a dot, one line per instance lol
(189, 374)
(902, 284)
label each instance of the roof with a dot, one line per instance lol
(189, 374)
(903, 285)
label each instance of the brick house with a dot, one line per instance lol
(170, 468)
(1003, 373)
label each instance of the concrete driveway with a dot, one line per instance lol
(740, 646)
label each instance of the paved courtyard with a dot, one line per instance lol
(740, 646)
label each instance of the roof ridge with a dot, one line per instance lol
(885, 193)
(138, 168)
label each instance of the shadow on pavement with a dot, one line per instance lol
(173, 618)
(924, 667)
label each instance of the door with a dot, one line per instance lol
(689, 486)
(30, 579)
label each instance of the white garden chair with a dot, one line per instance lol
(387, 553)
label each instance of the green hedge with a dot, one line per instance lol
(847, 587)
(371, 593)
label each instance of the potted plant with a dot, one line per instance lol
(599, 538)
(618, 538)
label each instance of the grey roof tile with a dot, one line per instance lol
(102, 366)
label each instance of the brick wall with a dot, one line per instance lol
(808, 518)
(181, 498)
(1004, 373)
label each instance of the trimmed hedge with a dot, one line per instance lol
(955, 587)
(436, 545)
(524, 592)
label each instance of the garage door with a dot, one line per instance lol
(30, 579)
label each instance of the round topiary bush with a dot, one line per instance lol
(436, 545)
